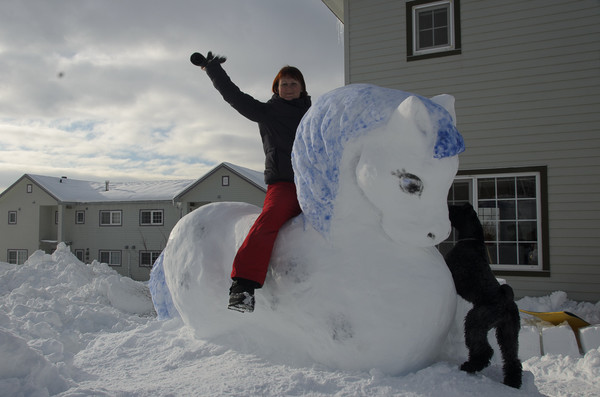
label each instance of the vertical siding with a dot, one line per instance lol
(527, 88)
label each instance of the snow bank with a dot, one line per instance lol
(60, 335)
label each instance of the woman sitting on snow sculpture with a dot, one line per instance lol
(277, 121)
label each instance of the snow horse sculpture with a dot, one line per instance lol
(355, 281)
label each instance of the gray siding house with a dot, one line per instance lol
(123, 224)
(526, 78)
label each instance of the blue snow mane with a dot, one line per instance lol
(337, 117)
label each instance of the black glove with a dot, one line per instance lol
(199, 59)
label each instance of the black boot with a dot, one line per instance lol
(241, 295)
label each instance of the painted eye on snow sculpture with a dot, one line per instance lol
(409, 183)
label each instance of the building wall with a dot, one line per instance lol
(211, 190)
(33, 209)
(527, 89)
(130, 238)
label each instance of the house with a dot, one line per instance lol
(123, 224)
(526, 78)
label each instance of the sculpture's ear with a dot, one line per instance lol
(447, 102)
(412, 108)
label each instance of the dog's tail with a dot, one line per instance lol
(507, 293)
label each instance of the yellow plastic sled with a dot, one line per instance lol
(557, 318)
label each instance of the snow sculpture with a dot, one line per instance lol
(355, 282)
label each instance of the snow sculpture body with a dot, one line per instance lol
(355, 282)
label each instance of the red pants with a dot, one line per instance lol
(252, 259)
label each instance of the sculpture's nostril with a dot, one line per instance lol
(431, 235)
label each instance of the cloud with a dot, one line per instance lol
(99, 90)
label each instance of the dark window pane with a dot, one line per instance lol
(507, 254)
(440, 36)
(508, 210)
(440, 18)
(528, 254)
(527, 231)
(486, 188)
(425, 20)
(145, 217)
(425, 39)
(527, 209)
(526, 187)
(506, 187)
(461, 191)
(508, 231)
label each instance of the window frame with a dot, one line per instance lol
(153, 257)
(79, 254)
(29, 188)
(152, 222)
(225, 180)
(112, 212)
(77, 220)
(21, 256)
(110, 260)
(12, 217)
(542, 269)
(454, 33)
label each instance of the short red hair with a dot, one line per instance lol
(290, 72)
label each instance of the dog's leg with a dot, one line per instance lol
(507, 333)
(478, 322)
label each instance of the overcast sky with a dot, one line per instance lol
(99, 90)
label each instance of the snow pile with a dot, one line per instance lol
(60, 335)
(52, 306)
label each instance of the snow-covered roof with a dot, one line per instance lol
(68, 190)
(73, 190)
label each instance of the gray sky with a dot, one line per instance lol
(100, 90)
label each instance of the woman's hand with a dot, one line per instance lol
(199, 59)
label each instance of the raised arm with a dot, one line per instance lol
(245, 104)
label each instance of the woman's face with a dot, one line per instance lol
(289, 88)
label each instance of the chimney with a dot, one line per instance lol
(61, 179)
(106, 186)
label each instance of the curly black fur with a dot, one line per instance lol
(493, 304)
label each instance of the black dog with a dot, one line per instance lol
(493, 304)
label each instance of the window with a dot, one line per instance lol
(151, 217)
(79, 217)
(29, 188)
(110, 218)
(147, 258)
(12, 217)
(432, 28)
(512, 210)
(17, 257)
(79, 254)
(112, 258)
(225, 180)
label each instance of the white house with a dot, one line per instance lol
(123, 224)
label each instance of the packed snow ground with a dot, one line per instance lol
(74, 329)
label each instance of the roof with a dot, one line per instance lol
(66, 190)
(255, 178)
(337, 7)
(73, 190)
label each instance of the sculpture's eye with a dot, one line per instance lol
(409, 183)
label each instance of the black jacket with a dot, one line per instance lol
(277, 122)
